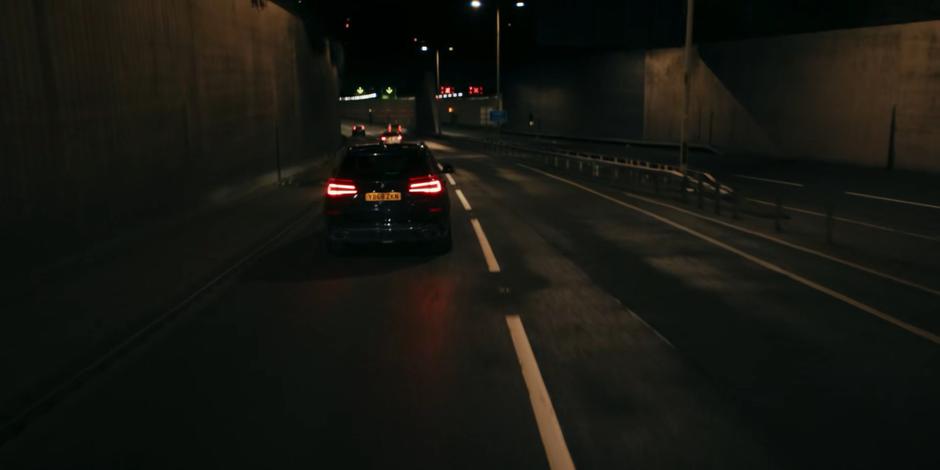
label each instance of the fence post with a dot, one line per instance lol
(717, 197)
(735, 202)
(683, 188)
(701, 194)
(778, 213)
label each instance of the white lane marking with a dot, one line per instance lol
(491, 262)
(760, 262)
(438, 146)
(768, 180)
(850, 221)
(450, 179)
(783, 242)
(550, 431)
(463, 200)
(899, 201)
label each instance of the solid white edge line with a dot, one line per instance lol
(794, 246)
(850, 221)
(768, 180)
(491, 262)
(553, 440)
(899, 201)
(450, 179)
(463, 200)
(760, 262)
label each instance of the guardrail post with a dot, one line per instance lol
(597, 170)
(778, 213)
(717, 197)
(683, 188)
(580, 166)
(701, 193)
(616, 173)
(735, 202)
(567, 163)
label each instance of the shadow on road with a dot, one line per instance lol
(306, 258)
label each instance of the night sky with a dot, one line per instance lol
(378, 47)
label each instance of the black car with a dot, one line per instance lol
(358, 130)
(391, 137)
(385, 194)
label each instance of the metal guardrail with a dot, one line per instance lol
(617, 167)
(664, 180)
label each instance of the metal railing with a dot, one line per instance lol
(642, 175)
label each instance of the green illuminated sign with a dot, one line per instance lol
(360, 90)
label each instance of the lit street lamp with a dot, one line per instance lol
(437, 63)
(477, 4)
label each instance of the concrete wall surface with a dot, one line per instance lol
(116, 111)
(593, 95)
(827, 96)
(466, 111)
(400, 111)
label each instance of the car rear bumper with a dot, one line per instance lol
(388, 233)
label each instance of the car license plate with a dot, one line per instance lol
(378, 197)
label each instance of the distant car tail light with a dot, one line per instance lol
(338, 187)
(383, 138)
(429, 184)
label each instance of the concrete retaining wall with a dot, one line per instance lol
(115, 111)
(466, 111)
(826, 96)
(598, 95)
(383, 111)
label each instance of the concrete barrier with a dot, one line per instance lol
(116, 112)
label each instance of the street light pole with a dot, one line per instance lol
(437, 68)
(499, 94)
(686, 85)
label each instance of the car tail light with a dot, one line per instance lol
(337, 187)
(429, 184)
(383, 138)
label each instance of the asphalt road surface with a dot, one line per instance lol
(572, 325)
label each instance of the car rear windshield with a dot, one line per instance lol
(384, 164)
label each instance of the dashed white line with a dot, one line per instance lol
(850, 221)
(463, 200)
(760, 262)
(545, 418)
(491, 262)
(889, 199)
(450, 179)
(768, 180)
